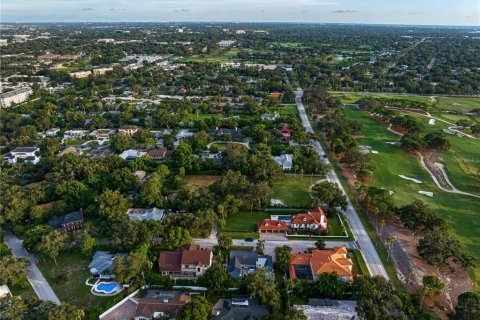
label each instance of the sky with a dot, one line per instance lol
(425, 12)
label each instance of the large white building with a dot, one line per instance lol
(28, 154)
(16, 96)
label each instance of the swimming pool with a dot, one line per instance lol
(107, 287)
(286, 218)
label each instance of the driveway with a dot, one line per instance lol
(370, 255)
(35, 277)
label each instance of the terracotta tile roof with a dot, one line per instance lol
(323, 261)
(276, 95)
(272, 225)
(310, 217)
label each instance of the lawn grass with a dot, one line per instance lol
(290, 109)
(294, 190)
(25, 293)
(462, 161)
(458, 104)
(201, 181)
(359, 265)
(74, 266)
(458, 210)
(244, 224)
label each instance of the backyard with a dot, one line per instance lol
(67, 278)
(293, 190)
(244, 224)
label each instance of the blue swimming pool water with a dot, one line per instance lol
(284, 218)
(106, 286)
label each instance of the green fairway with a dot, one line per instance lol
(457, 104)
(460, 211)
(462, 161)
(294, 190)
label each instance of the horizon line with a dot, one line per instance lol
(247, 22)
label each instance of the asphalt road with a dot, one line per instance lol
(35, 277)
(364, 243)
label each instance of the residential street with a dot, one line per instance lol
(35, 276)
(373, 261)
(270, 245)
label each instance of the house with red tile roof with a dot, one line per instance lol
(309, 266)
(272, 226)
(276, 95)
(314, 220)
(189, 263)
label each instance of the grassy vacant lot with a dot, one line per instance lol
(244, 224)
(289, 109)
(201, 181)
(294, 190)
(72, 266)
(227, 55)
(459, 211)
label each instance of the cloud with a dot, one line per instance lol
(415, 12)
(87, 9)
(182, 10)
(345, 11)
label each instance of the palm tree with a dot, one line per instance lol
(390, 241)
(260, 246)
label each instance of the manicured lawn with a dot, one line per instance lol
(244, 224)
(458, 210)
(359, 265)
(76, 142)
(289, 109)
(73, 266)
(457, 103)
(294, 190)
(462, 161)
(201, 181)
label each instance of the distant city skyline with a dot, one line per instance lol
(421, 12)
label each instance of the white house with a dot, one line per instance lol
(16, 96)
(285, 161)
(140, 214)
(132, 154)
(75, 134)
(310, 220)
(52, 132)
(28, 154)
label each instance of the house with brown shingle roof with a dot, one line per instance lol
(189, 263)
(309, 266)
(150, 304)
(310, 220)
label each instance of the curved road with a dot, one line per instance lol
(370, 255)
(35, 276)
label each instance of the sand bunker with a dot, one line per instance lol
(427, 193)
(374, 151)
(408, 178)
(432, 121)
(393, 143)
